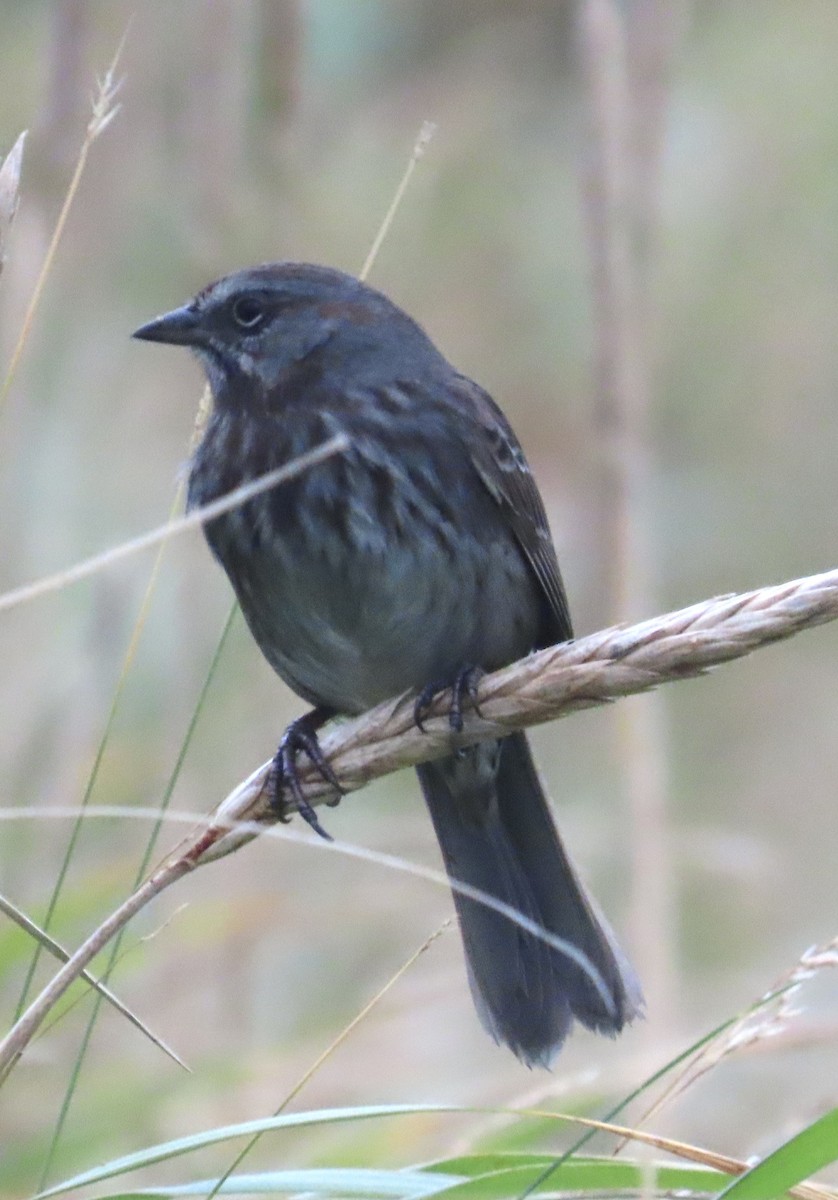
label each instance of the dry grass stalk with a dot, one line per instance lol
(176, 525)
(42, 938)
(764, 1021)
(104, 109)
(625, 56)
(691, 1153)
(336, 1042)
(422, 141)
(545, 686)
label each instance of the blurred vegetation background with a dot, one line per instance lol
(275, 129)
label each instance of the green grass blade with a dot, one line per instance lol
(368, 1184)
(164, 1151)
(814, 1147)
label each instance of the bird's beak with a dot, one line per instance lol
(180, 327)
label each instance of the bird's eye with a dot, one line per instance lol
(248, 312)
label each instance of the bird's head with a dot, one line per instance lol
(266, 322)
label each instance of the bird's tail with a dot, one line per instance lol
(496, 834)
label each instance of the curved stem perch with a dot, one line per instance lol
(542, 687)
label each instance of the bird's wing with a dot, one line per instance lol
(501, 465)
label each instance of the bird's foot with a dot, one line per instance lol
(301, 735)
(463, 687)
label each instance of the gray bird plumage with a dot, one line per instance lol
(421, 551)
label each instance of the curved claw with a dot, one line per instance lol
(464, 685)
(301, 735)
(423, 702)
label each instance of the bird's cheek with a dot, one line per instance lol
(249, 365)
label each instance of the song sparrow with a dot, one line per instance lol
(421, 553)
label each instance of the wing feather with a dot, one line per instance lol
(501, 465)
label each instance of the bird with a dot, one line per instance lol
(415, 560)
